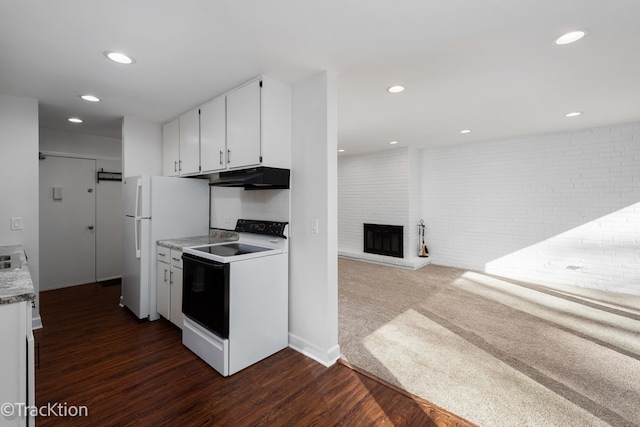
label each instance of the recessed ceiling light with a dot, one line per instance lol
(395, 89)
(573, 114)
(571, 37)
(118, 57)
(74, 120)
(465, 131)
(341, 151)
(90, 98)
(393, 142)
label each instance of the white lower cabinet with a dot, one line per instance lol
(163, 295)
(169, 278)
(17, 388)
(175, 312)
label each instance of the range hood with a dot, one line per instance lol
(258, 178)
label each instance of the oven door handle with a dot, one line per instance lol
(202, 261)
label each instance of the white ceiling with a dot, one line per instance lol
(490, 66)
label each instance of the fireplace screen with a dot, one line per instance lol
(384, 240)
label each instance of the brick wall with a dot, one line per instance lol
(374, 188)
(561, 207)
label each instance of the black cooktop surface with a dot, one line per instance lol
(231, 249)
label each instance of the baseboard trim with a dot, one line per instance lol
(406, 263)
(326, 357)
(36, 322)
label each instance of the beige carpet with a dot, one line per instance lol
(494, 351)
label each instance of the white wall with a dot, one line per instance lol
(109, 223)
(313, 283)
(379, 188)
(559, 208)
(19, 175)
(81, 145)
(230, 204)
(141, 147)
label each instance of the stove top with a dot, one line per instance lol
(230, 249)
(255, 239)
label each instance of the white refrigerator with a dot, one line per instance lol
(155, 208)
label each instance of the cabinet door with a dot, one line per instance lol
(170, 148)
(189, 162)
(176, 296)
(163, 292)
(243, 126)
(213, 153)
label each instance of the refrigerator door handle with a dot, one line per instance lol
(136, 236)
(136, 218)
(136, 213)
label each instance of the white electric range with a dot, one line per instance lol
(235, 296)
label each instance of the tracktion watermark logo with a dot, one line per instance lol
(20, 410)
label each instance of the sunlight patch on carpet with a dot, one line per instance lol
(423, 355)
(602, 325)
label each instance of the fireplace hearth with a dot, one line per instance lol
(384, 240)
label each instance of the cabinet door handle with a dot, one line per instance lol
(165, 276)
(175, 166)
(179, 165)
(228, 156)
(171, 278)
(221, 157)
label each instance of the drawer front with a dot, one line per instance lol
(211, 349)
(176, 258)
(164, 254)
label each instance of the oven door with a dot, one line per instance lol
(205, 293)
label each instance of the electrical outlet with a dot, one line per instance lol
(314, 226)
(226, 219)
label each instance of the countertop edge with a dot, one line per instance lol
(215, 237)
(16, 285)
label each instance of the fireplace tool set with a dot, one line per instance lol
(422, 248)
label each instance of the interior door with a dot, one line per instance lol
(67, 222)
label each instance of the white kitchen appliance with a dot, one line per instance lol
(155, 208)
(235, 297)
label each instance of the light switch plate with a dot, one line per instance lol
(16, 223)
(57, 193)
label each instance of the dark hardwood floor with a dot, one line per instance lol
(129, 372)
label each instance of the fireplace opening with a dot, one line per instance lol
(384, 240)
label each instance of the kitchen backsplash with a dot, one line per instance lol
(230, 204)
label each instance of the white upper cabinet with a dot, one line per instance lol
(243, 126)
(275, 116)
(171, 148)
(189, 163)
(247, 126)
(213, 150)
